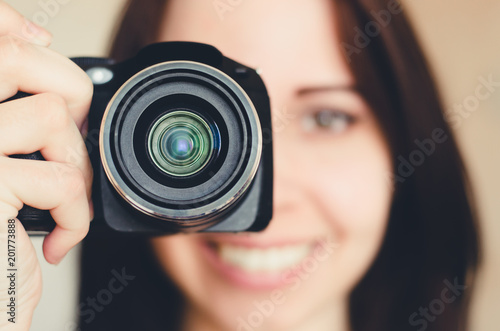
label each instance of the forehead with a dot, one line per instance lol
(292, 39)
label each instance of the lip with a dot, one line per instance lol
(248, 241)
(245, 279)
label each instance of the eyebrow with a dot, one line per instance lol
(327, 88)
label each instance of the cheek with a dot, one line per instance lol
(351, 187)
(178, 257)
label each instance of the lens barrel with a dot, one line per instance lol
(181, 141)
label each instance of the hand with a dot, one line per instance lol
(49, 121)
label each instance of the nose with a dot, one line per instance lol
(287, 172)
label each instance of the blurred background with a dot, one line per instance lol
(461, 40)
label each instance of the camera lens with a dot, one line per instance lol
(180, 143)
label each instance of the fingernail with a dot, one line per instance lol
(36, 34)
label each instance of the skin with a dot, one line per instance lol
(49, 121)
(340, 195)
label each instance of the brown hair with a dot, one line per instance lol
(431, 243)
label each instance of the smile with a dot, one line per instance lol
(258, 260)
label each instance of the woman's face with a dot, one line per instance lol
(331, 198)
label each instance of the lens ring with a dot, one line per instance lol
(169, 137)
(140, 197)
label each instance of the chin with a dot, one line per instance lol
(249, 282)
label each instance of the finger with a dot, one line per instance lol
(24, 264)
(13, 23)
(34, 69)
(52, 186)
(42, 123)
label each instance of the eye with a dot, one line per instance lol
(333, 121)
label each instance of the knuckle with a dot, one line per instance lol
(85, 90)
(53, 111)
(73, 182)
(6, 195)
(5, 10)
(82, 87)
(83, 231)
(87, 87)
(11, 50)
(7, 13)
(8, 210)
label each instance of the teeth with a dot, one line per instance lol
(263, 260)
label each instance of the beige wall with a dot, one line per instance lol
(462, 39)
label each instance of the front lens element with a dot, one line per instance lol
(180, 143)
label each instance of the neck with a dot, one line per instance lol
(332, 317)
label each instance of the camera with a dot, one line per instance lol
(180, 140)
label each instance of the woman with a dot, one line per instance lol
(376, 233)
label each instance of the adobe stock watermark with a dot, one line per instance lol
(363, 37)
(424, 149)
(48, 10)
(294, 277)
(485, 88)
(425, 315)
(89, 308)
(455, 116)
(223, 7)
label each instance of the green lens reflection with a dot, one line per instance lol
(180, 143)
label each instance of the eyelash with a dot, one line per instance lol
(330, 120)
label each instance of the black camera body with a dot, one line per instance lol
(180, 140)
